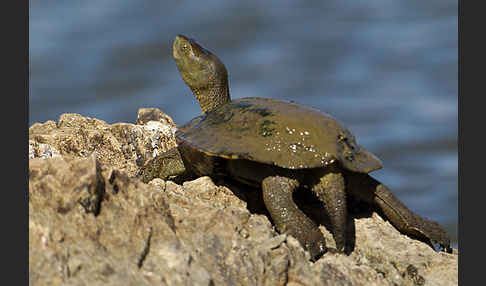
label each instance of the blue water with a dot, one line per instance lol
(386, 69)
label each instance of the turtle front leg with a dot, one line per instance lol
(331, 191)
(372, 191)
(288, 218)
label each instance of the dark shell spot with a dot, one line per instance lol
(248, 107)
(265, 129)
(349, 156)
(219, 117)
(242, 104)
(261, 111)
(348, 146)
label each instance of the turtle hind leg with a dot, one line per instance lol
(331, 192)
(366, 188)
(288, 218)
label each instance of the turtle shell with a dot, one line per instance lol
(276, 132)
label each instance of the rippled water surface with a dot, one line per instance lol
(386, 69)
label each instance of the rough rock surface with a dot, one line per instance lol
(93, 221)
(134, 149)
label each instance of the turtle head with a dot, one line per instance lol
(203, 72)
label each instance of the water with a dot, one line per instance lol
(387, 70)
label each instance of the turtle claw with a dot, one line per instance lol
(431, 231)
(315, 244)
(445, 248)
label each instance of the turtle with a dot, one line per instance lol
(282, 146)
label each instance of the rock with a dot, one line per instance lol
(147, 151)
(93, 221)
(39, 150)
(130, 240)
(146, 115)
(80, 176)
